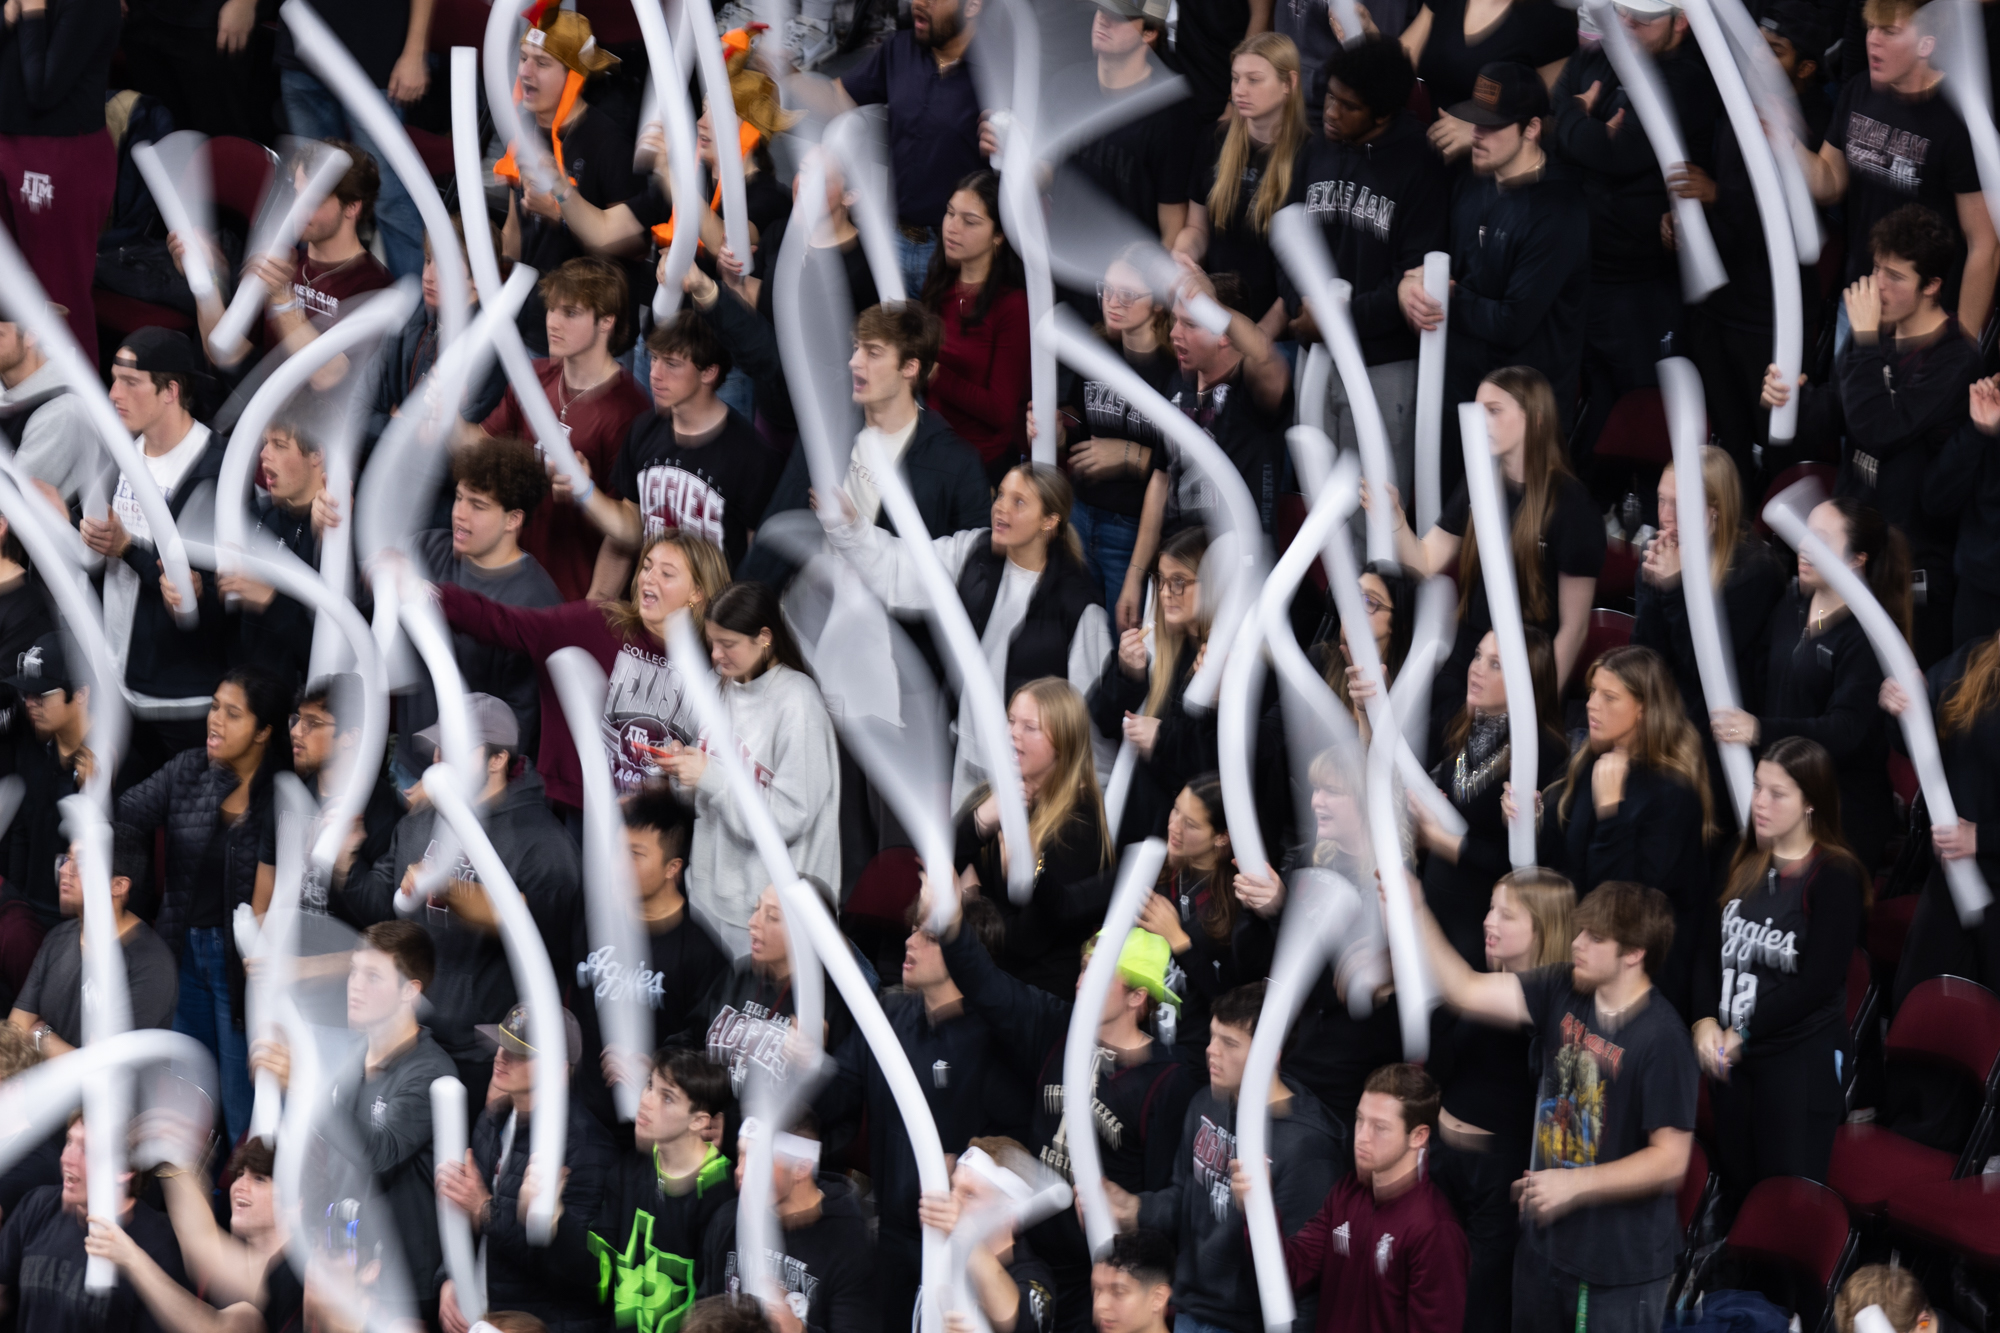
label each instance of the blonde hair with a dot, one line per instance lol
(1722, 488)
(1975, 690)
(706, 566)
(1896, 1290)
(1282, 55)
(1542, 466)
(1073, 783)
(1667, 742)
(1549, 900)
(1188, 547)
(1327, 771)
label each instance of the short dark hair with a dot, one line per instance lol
(750, 608)
(1146, 1254)
(1916, 234)
(1633, 916)
(1411, 1086)
(597, 285)
(727, 1314)
(977, 915)
(689, 335)
(702, 1081)
(505, 468)
(657, 808)
(409, 944)
(296, 430)
(162, 378)
(362, 182)
(131, 856)
(253, 1155)
(1239, 1008)
(907, 326)
(1377, 71)
(339, 693)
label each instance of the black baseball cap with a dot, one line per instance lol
(1798, 23)
(44, 667)
(515, 1034)
(1506, 93)
(165, 350)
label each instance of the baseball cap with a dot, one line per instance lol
(165, 350)
(1646, 9)
(1798, 23)
(493, 723)
(1143, 962)
(44, 666)
(1506, 93)
(515, 1036)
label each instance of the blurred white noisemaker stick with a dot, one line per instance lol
(432, 640)
(1320, 918)
(274, 945)
(983, 696)
(610, 894)
(1314, 378)
(1701, 265)
(251, 296)
(1496, 569)
(528, 957)
(1136, 877)
(851, 138)
(1687, 424)
(1119, 786)
(789, 305)
(528, 391)
(1022, 217)
(1242, 573)
(1788, 321)
(1960, 55)
(1969, 892)
(1299, 244)
(1416, 993)
(1349, 14)
(1430, 396)
(27, 305)
(468, 1275)
(329, 61)
(1784, 124)
(723, 124)
(1872, 1320)
(499, 54)
(683, 163)
(808, 980)
(1236, 737)
(107, 1011)
(174, 212)
(1430, 644)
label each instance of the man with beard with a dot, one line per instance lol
(46, 423)
(1616, 1114)
(923, 76)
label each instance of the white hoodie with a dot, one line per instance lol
(785, 735)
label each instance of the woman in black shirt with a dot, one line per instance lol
(1824, 679)
(1449, 41)
(1389, 596)
(1771, 977)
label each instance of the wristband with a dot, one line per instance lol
(286, 308)
(582, 497)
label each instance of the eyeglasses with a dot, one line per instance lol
(62, 862)
(1122, 295)
(308, 723)
(1375, 606)
(1179, 583)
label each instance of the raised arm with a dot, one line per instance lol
(1490, 997)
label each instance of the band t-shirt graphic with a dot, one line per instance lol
(713, 485)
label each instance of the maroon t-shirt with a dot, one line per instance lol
(322, 289)
(559, 535)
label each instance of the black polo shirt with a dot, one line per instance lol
(933, 123)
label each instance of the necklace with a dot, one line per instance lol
(311, 279)
(566, 400)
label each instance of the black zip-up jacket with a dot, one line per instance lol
(1138, 1108)
(555, 1282)
(1964, 485)
(475, 983)
(280, 636)
(1620, 173)
(54, 68)
(1381, 205)
(827, 1269)
(166, 661)
(1749, 593)
(384, 1122)
(1521, 258)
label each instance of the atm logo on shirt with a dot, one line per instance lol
(1892, 156)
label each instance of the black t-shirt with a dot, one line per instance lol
(1107, 416)
(716, 486)
(205, 907)
(1234, 243)
(683, 962)
(42, 1262)
(1604, 1091)
(1899, 150)
(373, 32)
(284, 1297)
(1572, 545)
(1253, 438)
(1141, 164)
(597, 155)
(1531, 32)
(1207, 32)
(766, 199)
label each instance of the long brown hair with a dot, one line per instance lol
(1886, 570)
(1282, 55)
(1066, 722)
(1807, 763)
(1186, 547)
(1218, 914)
(1550, 902)
(1542, 467)
(1667, 742)
(1722, 487)
(706, 566)
(1542, 668)
(1975, 690)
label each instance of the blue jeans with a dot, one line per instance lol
(1108, 540)
(1187, 1323)
(740, 392)
(914, 259)
(203, 1013)
(313, 112)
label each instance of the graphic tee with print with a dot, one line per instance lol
(1899, 150)
(715, 486)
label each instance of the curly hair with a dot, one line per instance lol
(507, 469)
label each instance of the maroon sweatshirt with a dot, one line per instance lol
(1382, 1265)
(645, 708)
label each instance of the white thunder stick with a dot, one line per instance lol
(328, 59)
(1021, 214)
(1687, 424)
(1236, 737)
(274, 944)
(550, 436)
(528, 957)
(107, 1011)
(851, 137)
(1701, 266)
(1136, 876)
(724, 125)
(1784, 124)
(500, 54)
(610, 893)
(1496, 569)
(1322, 915)
(1961, 55)
(28, 306)
(1968, 886)
(1314, 377)
(468, 1275)
(683, 161)
(983, 696)
(174, 212)
(35, 1102)
(429, 635)
(1787, 309)
(1119, 785)
(1299, 244)
(1430, 394)
(251, 296)
(790, 305)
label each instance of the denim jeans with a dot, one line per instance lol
(739, 391)
(1108, 540)
(1187, 1323)
(313, 112)
(914, 259)
(203, 1013)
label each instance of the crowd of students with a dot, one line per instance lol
(1660, 956)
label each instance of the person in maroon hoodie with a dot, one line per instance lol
(1385, 1249)
(980, 386)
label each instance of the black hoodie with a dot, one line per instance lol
(554, 1282)
(827, 1267)
(1521, 260)
(166, 661)
(1381, 205)
(647, 1241)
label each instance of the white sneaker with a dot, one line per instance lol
(734, 15)
(808, 41)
